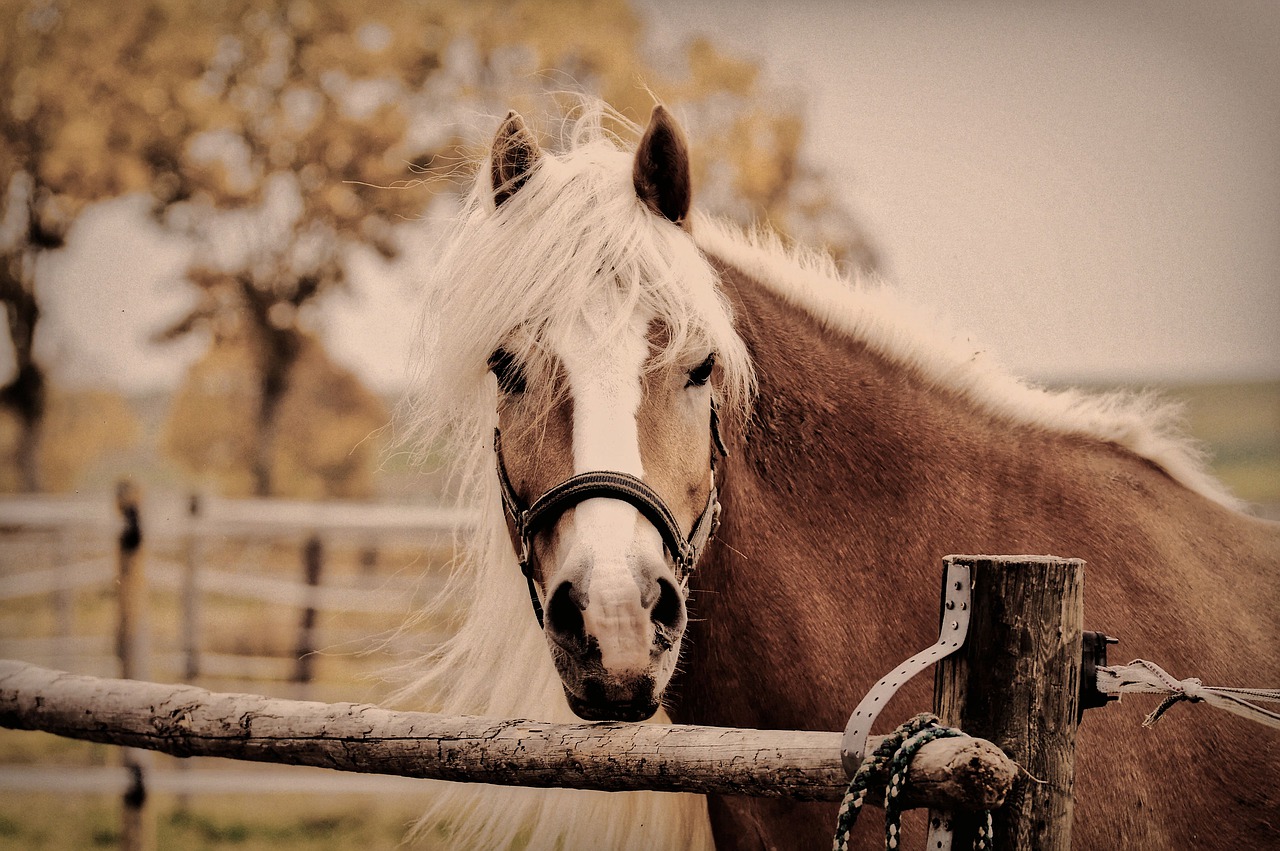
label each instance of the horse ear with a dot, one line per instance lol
(515, 153)
(661, 172)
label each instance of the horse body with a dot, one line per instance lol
(868, 452)
(856, 473)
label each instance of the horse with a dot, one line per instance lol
(715, 478)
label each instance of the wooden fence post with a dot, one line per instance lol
(191, 591)
(313, 565)
(64, 597)
(1016, 682)
(369, 564)
(137, 821)
(192, 552)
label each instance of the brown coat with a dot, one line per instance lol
(851, 480)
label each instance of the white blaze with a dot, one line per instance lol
(604, 378)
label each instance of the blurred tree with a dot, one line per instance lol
(75, 127)
(80, 429)
(299, 122)
(295, 111)
(24, 236)
(306, 112)
(746, 138)
(327, 414)
(278, 134)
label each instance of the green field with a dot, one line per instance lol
(1240, 425)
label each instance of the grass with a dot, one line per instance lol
(1239, 424)
(280, 822)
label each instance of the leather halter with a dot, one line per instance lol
(529, 520)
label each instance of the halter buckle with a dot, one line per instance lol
(526, 563)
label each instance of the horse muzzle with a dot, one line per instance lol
(615, 649)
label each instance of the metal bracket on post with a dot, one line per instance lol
(955, 626)
(956, 610)
(1093, 655)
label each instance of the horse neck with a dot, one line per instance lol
(855, 474)
(842, 453)
(837, 426)
(848, 482)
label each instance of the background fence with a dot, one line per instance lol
(209, 574)
(289, 599)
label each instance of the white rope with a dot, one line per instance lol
(1143, 677)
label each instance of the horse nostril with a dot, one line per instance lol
(564, 611)
(668, 611)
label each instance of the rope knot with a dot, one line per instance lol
(1147, 677)
(896, 751)
(1190, 690)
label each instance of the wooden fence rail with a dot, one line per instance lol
(170, 518)
(959, 773)
(387, 595)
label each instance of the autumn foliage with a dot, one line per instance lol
(279, 137)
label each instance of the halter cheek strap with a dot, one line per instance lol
(529, 520)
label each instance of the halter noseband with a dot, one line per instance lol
(529, 520)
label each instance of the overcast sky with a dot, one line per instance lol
(1092, 189)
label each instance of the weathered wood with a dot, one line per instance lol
(188, 721)
(1016, 682)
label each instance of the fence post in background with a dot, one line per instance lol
(131, 587)
(137, 822)
(368, 563)
(192, 550)
(191, 590)
(312, 566)
(64, 598)
(1016, 682)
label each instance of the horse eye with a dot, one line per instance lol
(507, 370)
(701, 374)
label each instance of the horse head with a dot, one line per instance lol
(606, 441)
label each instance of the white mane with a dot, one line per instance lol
(1143, 423)
(576, 225)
